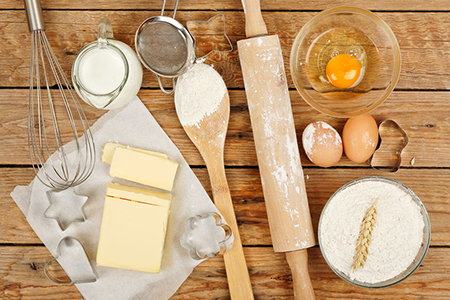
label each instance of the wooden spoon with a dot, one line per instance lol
(209, 138)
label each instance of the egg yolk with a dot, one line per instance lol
(343, 70)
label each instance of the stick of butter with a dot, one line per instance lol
(109, 148)
(133, 229)
(143, 168)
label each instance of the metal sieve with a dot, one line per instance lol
(165, 47)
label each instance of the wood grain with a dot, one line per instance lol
(423, 115)
(384, 5)
(424, 40)
(22, 277)
(420, 105)
(432, 187)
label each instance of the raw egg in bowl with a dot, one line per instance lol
(344, 71)
(345, 62)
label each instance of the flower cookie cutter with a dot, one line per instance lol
(66, 207)
(392, 140)
(206, 236)
(71, 253)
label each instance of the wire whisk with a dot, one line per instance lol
(53, 109)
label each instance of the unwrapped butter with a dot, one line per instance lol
(133, 228)
(109, 148)
(144, 168)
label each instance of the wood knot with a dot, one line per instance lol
(287, 278)
(33, 266)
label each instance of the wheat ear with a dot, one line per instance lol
(365, 236)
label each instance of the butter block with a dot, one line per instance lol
(139, 195)
(133, 229)
(143, 168)
(110, 148)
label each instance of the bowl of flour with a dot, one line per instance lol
(374, 232)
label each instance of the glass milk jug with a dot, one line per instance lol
(107, 73)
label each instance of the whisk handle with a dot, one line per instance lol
(34, 15)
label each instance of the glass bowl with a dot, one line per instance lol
(356, 32)
(420, 255)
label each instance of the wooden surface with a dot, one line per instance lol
(420, 104)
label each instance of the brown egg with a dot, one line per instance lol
(322, 144)
(360, 137)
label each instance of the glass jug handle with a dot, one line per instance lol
(104, 31)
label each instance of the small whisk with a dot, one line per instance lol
(53, 109)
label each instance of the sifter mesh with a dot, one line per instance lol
(163, 48)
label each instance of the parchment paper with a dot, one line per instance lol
(132, 125)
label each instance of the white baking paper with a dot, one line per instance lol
(132, 125)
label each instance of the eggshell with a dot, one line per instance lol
(322, 144)
(360, 137)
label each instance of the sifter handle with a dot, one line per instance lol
(34, 15)
(254, 22)
(163, 89)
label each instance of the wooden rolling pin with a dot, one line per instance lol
(276, 146)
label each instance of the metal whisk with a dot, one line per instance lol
(53, 108)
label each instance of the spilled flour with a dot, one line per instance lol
(198, 94)
(396, 238)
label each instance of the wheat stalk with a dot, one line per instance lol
(365, 236)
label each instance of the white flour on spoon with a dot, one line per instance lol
(198, 94)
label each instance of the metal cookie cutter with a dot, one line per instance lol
(206, 236)
(392, 140)
(71, 253)
(66, 207)
(224, 34)
(167, 48)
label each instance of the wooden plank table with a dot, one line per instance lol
(420, 104)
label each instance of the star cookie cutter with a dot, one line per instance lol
(211, 31)
(392, 140)
(206, 236)
(66, 207)
(71, 252)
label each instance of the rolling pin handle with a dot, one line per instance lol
(298, 262)
(254, 22)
